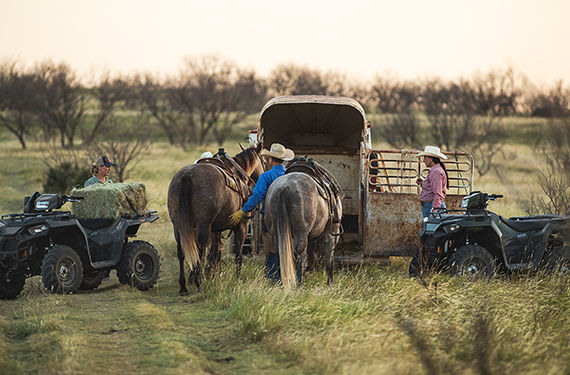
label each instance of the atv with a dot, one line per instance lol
(71, 254)
(476, 242)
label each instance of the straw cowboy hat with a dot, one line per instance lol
(433, 152)
(278, 151)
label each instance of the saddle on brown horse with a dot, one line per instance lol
(234, 175)
(327, 185)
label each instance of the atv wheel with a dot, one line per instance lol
(62, 270)
(472, 261)
(92, 280)
(558, 259)
(139, 265)
(414, 269)
(11, 285)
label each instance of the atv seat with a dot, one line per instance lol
(525, 225)
(96, 223)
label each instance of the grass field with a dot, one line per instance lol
(373, 320)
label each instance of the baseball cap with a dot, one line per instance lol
(103, 160)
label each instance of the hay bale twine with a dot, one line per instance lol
(110, 201)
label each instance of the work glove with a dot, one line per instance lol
(236, 217)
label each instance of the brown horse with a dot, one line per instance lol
(200, 203)
(300, 219)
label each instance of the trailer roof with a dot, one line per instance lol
(313, 123)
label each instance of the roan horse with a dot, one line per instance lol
(200, 203)
(302, 221)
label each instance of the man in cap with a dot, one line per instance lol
(434, 187)
(100, 170)
(275, 157)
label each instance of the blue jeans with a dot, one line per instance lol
(426, 208)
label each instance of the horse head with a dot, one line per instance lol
(250, 161)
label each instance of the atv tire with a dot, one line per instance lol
(10, 287)
(473, 261)
(557, 259)
(139, 265)
(62, 270)
(92, 280)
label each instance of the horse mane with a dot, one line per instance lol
(246, 157)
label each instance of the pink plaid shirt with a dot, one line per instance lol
(434, 186)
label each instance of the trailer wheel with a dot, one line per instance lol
(139, 265)
(62, 270)
(11, 285)
(473, 261)
(92, 280)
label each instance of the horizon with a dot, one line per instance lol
(410, 40)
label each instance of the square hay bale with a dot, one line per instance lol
(110, 201)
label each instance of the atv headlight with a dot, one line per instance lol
(451, 228)
(37, 229)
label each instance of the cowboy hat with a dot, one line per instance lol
(278, 151)
(205, 155)
(432, 151)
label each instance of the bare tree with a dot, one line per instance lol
(216, 94)
(393, 96)
(292, 79)
(554, 177)
(61, 100)
(109, 94)
(555, 102)
(449, 108)
(17, 93)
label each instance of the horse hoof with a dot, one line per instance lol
(183, 292)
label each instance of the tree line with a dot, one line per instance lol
(208, 95)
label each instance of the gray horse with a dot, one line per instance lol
(200, 203)
(300, 220)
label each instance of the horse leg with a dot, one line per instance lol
(202, 242)
(181, 279)
(215, 255)
(328, 243)
(237, 246)
(300, 245)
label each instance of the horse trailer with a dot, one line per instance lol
(381, 205)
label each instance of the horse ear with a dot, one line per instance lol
(240, 146)
(259, 147)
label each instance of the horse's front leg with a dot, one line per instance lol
(181, 279)
(237, 245)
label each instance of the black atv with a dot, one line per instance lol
(70, 253)
(477, 242)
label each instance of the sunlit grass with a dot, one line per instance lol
(373, 320)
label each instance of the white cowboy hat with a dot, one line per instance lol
(432, 151)
(278, 151)
(204, 155)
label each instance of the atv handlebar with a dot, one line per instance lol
(72, 198)
(493, 197)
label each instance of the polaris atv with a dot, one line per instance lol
(71, 253)
(477, 242)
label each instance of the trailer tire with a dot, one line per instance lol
(62, 270)
(139, 265)
(473, 261)
(10, 287)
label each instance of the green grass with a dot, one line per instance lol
(374, 320)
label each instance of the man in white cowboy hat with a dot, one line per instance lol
(434, 187)
(275, 158)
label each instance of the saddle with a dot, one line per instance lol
(234, 175)
(327, 185)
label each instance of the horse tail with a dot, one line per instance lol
(186, 225)
(285, 243)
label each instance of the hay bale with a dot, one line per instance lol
(110, 201)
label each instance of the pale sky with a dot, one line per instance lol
(409, 38)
